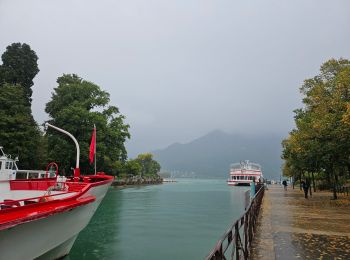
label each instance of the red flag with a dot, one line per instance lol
(93, 145)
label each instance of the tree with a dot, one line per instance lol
(133, 167)
(77, 105)
(19, 135)
(321, 140)
(148, 165)
(20, 66)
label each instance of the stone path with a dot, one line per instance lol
(292, 227)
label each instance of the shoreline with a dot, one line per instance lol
(136, 182)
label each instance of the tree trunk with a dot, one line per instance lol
(313, 181)
(309, 184)
(335, 183)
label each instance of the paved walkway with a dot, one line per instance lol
(292, 227)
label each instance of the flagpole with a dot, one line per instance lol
(95, 147)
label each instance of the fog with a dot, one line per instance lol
(178, 69)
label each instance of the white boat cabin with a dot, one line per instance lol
(10, 171)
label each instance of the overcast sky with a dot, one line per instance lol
(178, 69)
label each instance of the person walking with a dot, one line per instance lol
(285, 184)
(305, 187)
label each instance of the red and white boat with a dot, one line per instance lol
(244, 173)
(40, 218)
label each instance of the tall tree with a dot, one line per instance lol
(19, 66)
(19, 135)
(321, 141)
(77, 105)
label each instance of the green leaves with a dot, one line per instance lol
(20, 66)
(19, 133)
(148, 165)
(321, 139)
(77, 105)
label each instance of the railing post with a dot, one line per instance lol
(237, 240)
(246, 235)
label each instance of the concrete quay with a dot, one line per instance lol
(292, 227)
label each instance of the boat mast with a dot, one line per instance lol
(76, 170)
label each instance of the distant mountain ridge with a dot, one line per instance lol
(212, 154)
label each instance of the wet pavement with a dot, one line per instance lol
(292, 227)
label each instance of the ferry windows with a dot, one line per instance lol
(33, 175)
(8, 165)
(0, 164)
(21, 175)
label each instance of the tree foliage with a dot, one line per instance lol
(19, 135)
(321, 141)
(148, 165)
(77, 105)
(143, 166)
(19, 67)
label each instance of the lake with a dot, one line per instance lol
(181, 220)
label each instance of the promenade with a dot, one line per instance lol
(292, 227)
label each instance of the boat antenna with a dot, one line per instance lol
(76, 170)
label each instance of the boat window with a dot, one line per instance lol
(33, 175)
(21, 175)
(7, 165)
(0, 164)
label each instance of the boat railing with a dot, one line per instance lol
(60, 188)
(9, 203)
(237, 240)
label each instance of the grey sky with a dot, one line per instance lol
(178, 69)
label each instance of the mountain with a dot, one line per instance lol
(212, 154)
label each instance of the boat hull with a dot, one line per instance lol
(235, 183)
(51, 237)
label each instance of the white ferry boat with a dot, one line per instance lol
(244, 173)
(40, 215)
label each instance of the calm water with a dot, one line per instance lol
(180, 220)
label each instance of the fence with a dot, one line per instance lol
(238, 240)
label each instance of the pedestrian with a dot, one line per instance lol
(285, 184)
(305, 187)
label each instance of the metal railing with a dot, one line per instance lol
(237, 241)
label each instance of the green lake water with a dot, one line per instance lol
(181, 220)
